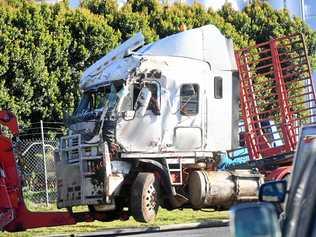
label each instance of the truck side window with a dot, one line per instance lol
(189, 99)
(218, 87)
(100, 98)
(154, 104)
(127, 100)
(136, 90)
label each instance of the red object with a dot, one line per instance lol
(272, 116)
(14, 215)
(8, 119)
(279, 173)
(9, 182)
(175, 177)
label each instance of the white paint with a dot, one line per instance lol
(205, 43)
(192, 57)
(153, 133)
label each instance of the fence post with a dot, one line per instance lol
(44, 160)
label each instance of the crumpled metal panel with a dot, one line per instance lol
(154, 133)
(112, 65)
(209, 42)
(180, 62)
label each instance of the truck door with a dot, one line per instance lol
(188, 132)
(140, 130)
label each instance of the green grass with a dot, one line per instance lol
(164, 218)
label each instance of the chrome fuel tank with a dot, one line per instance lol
(220, 189)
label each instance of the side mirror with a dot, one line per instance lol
(254, 220)
(274, 191)
(142, 102)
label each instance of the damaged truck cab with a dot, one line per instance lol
(150, 125)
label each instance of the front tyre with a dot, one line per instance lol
(144, 197)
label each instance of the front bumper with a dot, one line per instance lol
(77, 164)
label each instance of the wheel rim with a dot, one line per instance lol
(151, 199)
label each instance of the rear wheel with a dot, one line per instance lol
(144, 197)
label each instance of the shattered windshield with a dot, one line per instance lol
(109, 96)
(117, 98)
(93, 100)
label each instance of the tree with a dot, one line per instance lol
(129, 23)
(259, 22)
(43, 51)
(45, 48)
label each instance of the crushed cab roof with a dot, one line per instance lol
(206, 44)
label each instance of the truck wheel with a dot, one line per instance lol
(144, 197)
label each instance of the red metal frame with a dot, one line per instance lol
(281, 67)
(8, 174)
(279, 173)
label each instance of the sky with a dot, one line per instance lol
(311, 12)
(74, 3)
(295, 8)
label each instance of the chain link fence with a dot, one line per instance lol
(35, 153)
(38, 170)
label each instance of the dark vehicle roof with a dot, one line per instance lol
(302, 196)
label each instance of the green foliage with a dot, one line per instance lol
(108, 8)
(129, 23)
(45, 48)
(43, 51)
(259, 22)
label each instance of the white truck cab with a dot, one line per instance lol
(152, 119)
